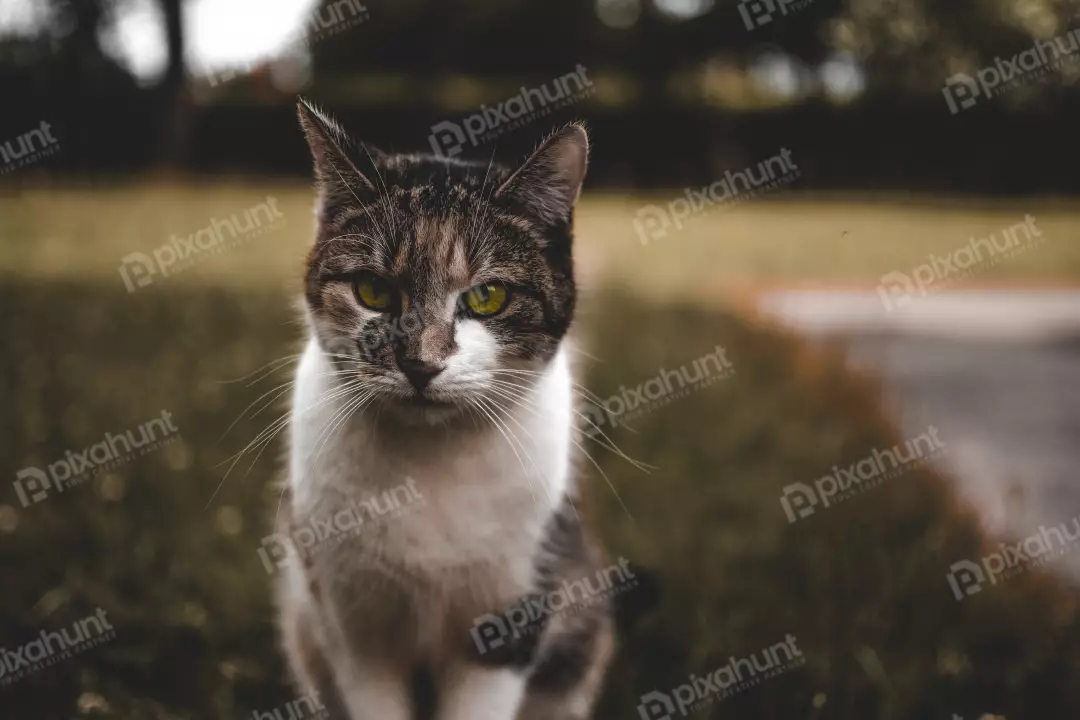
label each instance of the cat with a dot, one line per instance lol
(438, 296)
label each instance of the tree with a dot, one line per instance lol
(175, 100)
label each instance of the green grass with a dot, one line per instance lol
(862, 586)
(780, 240)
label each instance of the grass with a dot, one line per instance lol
(800, 240)
(861, 586)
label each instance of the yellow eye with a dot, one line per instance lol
(373, 292)
(486, 299)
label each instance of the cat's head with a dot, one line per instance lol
(436, 281)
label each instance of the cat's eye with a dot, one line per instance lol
(373, 292)
(486, 299)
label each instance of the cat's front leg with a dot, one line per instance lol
(566, 682)
(366, 688)
(489, 681)
(375, 691)
(475, 692)
(370, 669)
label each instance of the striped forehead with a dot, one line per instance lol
(443, 239)
(432, 253)
(427, 250)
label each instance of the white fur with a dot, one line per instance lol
(477, 693)
(474, 537)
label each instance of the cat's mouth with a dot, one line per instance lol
(421, 401)
(423, 409)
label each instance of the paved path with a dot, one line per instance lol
(999, 374)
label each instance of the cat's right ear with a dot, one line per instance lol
(549, 183)
(340, 180)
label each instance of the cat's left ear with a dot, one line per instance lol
(339, 176)
(549, 183)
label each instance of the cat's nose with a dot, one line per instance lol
(418, 372)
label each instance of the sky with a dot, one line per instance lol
(220, 33)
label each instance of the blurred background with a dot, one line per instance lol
(869, 205)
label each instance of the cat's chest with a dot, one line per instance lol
(463, 547)
(469, 522)
(467, 511)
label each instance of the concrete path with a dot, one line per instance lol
(998, 373)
